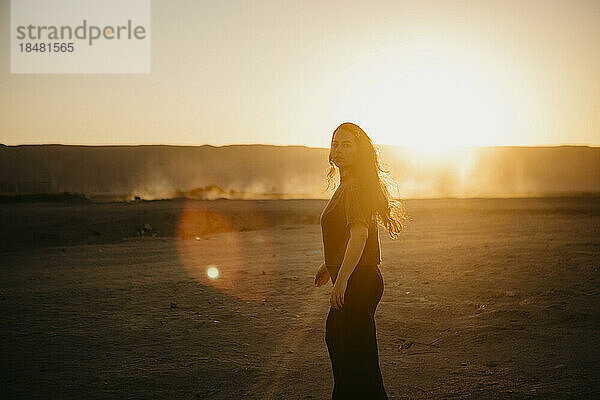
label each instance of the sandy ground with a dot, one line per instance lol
(491, 299)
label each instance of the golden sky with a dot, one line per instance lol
(430, 74)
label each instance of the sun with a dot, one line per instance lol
(431, 99)
(440, 107)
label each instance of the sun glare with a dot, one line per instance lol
(433, 100)
(431, 149)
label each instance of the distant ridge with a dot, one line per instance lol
(123, 172)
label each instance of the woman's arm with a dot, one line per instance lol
(356, 244)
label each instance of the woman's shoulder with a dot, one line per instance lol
(353, 186)
(351, 182)
(349, 191)
(356, 198)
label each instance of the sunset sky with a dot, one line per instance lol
(430, 74)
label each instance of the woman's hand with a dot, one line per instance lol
(322, 275)
(337, 294)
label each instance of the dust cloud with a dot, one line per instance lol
(265, 171)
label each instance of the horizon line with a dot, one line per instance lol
(289, 145)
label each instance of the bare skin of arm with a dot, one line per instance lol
(356, 244)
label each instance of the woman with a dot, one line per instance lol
(352, 258)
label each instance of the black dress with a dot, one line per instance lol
(350, 332)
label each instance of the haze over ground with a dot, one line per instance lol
(250, 171)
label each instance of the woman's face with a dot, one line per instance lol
(344, 149)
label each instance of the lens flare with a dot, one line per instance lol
(212, 272)
(217, 248)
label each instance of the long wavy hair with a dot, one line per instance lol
(376, 180)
